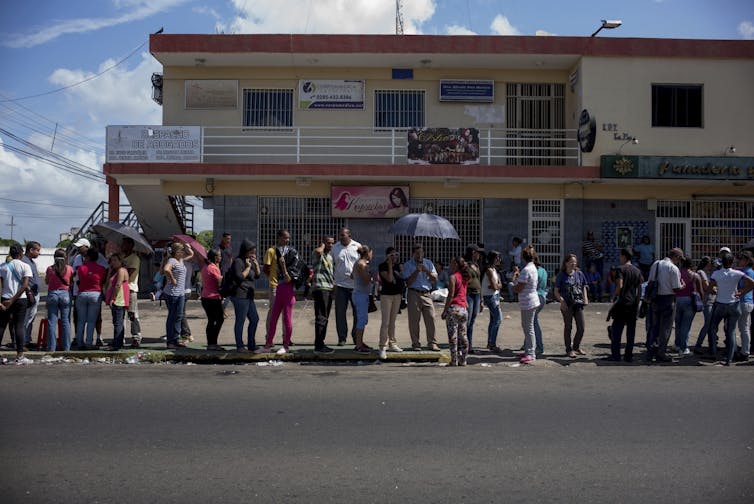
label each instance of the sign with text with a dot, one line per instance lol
(369, 201)
(153, 144)
(678, 167)
(443, 146)
(331, 94)
(479, 91)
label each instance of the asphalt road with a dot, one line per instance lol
(378, 433)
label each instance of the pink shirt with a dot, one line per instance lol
(211, 279)
(459, 298)
(54, 282)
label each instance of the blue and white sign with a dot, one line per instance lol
(476, 91)
(331, 94)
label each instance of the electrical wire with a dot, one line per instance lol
(40, 203)
(81, 81)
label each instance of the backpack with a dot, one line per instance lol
(229, 284)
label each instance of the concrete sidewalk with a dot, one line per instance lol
(510, 338)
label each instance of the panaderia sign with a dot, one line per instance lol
(677, 167)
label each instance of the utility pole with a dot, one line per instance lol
(11, 226)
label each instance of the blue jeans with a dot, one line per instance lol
(175, 316)
(245, 309)
(58, 303)
(492, 303)
(473, 301)
(707, 312)
(744, 326)
(88, 310)
(527, 324)
(684, 316)
(663, 314)
(119, 325)
(730, 313)
(343, 297)
(537, 327)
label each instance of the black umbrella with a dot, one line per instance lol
(424, 224)
(115, 232)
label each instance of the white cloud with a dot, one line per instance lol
(458, 30)
(746, 29)
(543, 33)
(501, 26)
(137, 9)
(120, 96)
(326, 16)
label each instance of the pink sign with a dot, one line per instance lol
(369, 201)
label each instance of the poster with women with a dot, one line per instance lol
(369, 201)
(443, 146)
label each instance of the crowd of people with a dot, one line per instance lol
(667, 293)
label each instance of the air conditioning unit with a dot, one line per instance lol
(157, 88)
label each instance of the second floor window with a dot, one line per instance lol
(401, 109)
(272, 108)
(676, 106)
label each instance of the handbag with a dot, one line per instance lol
(372, 305)
(697, 299)
(650, 291)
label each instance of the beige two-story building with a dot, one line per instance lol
(544, 138)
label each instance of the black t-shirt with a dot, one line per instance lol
(630, 294)
(388, 288)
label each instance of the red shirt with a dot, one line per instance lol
(54, 282)
(211, 281)
(459, 298)
(91, 277)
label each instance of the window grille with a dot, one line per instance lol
(716, 224)
(546, 232)
(272, 108)
(677, 106)
(533, 111)
(399, 109)
(307, 219)
(673, 209)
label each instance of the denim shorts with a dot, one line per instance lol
(361, 302)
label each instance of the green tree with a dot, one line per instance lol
(205, 238)
(63, 244)
(7, 242)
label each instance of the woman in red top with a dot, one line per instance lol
(455, 314)
(91, 280)
(211, 300)
(58, 279)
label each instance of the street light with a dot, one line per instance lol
(609, 24)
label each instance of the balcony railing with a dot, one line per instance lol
(349, 145)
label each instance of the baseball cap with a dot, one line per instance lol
(724, 249)
(82, 242)
(676, 252)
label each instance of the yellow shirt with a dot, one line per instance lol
(132, 262)
(271, 260)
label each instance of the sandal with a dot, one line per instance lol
(215, 348)
(363, 349)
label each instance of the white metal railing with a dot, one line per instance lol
(341, 145)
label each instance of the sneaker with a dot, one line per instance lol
(686, 352)
(416, 349)
(99, 343)
(341, 342)
(433, 347)
(383, 354)
(362, 349)
(243, 350)
(21, 361)
(324, 350)
(136, 343)
(394, 348)
(175, 346)
(526, 359)
(282, 351)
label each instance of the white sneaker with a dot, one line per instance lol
(394, 348)
(686, 352)
(23, 360)
(281, 351)
(383, 354)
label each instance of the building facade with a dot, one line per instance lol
(543, 138)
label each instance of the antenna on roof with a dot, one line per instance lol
(399, 17)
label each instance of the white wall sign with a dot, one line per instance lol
(211, 94)
(331, 94)
(160, 144)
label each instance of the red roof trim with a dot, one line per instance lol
(289, 171)
(445, 44)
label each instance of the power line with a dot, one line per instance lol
(39, 203)
(51, 162)
(80, 82)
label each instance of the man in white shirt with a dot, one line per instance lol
(15, 276)
(668, 278)
(345, 254)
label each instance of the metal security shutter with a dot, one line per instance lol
(546, 232)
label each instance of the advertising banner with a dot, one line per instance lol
(369, 201)
(160, 144)
(443, 146)
(331, 94)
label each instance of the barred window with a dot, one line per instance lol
(399, 109)
(676, 106)
(268, 108)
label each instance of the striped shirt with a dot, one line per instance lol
(323, 272)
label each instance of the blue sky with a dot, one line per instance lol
(47, 45)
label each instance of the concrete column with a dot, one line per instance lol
(113, 200)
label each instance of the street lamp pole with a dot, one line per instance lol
(608, 24)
